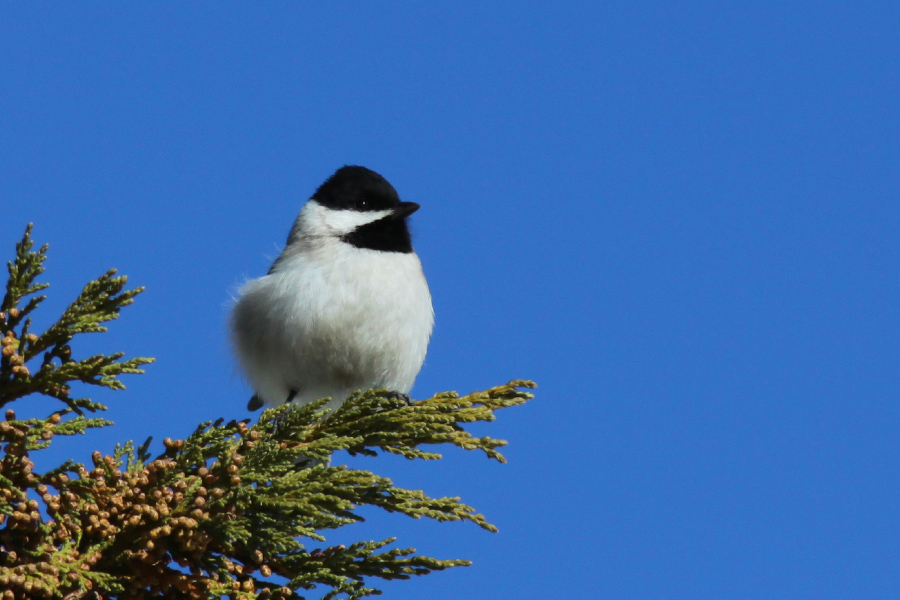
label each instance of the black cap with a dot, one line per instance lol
(357, 188)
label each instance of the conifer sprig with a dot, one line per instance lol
(378, 420)
(22, 272)
(100, 301)
(235, 509)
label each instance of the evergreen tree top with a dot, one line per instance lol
(228, 511)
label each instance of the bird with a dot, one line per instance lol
(344, 307)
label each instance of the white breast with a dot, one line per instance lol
(333, 319)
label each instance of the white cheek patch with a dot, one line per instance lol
(320, 220)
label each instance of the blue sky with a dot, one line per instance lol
(681, 219)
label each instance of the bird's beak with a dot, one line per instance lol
(405, 209)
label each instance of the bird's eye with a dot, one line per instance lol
(362, 204)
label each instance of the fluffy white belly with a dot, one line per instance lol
(359, 320)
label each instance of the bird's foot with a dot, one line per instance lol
(278, 423)
(400, 396)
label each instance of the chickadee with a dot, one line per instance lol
(344, 307)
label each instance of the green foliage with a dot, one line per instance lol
(99, 302)
(235, 509)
